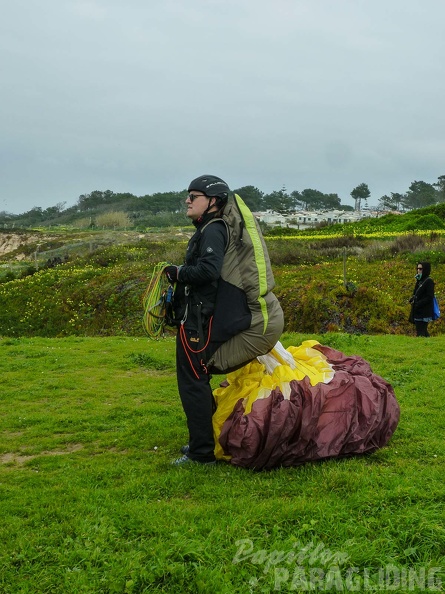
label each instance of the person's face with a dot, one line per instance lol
(419, 269)
(197, 204)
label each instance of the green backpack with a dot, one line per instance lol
(246, 276)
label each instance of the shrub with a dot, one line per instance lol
(27, 271)
(84, 223)
(376, 251)
(112, 220)
(407, 243)
(323, 307)
(283, 252)
(6, 276)
(277, 231)
(340, 242)
(160, 220)
(425, 222)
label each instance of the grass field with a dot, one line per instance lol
(90, 502)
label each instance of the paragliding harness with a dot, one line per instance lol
(196, 305)
(246, 277)
(188, 349)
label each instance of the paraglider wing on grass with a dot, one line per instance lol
(352, 412)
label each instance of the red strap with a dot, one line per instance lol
(188, 348)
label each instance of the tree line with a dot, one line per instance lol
(419, 195)
(279, 200)
(141, 209)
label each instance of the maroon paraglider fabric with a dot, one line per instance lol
(356, 412)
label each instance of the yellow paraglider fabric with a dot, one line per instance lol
(253, 382)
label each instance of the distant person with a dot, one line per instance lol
(422, 299)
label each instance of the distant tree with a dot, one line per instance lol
(53, 212)
(32, 217)
(163, 219)
(359, 193)
(252, 196)
(312, 199)
(279, 201)
(7, 218)
(385, 202)
(60, 206)
(163, 202)
(332, 201)
(393, 202)
(420, 194)
(440, 185)
(124, 201)
(95, 199)
(297, 200)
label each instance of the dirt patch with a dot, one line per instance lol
(15, 459)
(12, 434)
(19, 459)
(13, 241)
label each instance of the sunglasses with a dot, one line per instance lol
(193, 197)
(419, 268)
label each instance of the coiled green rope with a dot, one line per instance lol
(154, 302)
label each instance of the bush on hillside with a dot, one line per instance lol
(144, 221)
(436, 209)
(425, 222)
(407, 243)
(343, 241)
(113, 220)
(319, 307)
(6, 276)
(293, 252)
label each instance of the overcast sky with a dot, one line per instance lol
(142, 96)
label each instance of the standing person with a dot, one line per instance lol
(422, 299)
(194, 300)
(198, 284)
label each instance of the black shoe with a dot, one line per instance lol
(185, 460)
(185, 449)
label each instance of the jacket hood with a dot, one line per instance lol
(426, 269)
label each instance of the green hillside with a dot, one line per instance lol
(430, 218)
(91, 283)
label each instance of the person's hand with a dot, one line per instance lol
(171, 272)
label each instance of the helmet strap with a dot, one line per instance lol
(210, 205)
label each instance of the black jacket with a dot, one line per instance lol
(197, 285)
(423, 295)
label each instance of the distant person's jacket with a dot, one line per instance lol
(423, 295)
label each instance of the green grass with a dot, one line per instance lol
(90, 502)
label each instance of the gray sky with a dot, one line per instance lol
(142, 96)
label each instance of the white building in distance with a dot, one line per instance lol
(305, 219)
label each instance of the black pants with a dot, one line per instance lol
(196, 395)
(421, 328)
